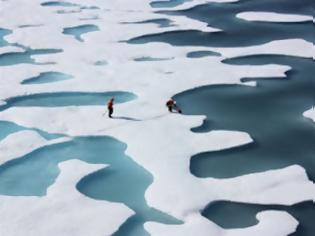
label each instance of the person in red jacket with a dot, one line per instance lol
(171, 104)
(110, 107)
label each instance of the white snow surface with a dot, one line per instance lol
(273, 17)
(161, 142)
(302, 48)
(198, 225)
(188, 4)
(310, 114)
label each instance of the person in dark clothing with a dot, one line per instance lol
(110, 107)
(171, 104)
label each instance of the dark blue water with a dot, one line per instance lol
(199, 54)
(59, 4)
(123, 181)
(47, 77)
(237, 32)
(77, 31)
(169, 3)
(235, 215)
(59, 99)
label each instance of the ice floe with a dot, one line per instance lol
(310, 114)
(198, 225)
(273, 17)
(288, 47)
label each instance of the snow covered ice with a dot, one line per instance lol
(243, 74)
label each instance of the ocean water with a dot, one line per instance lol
(239, 215)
